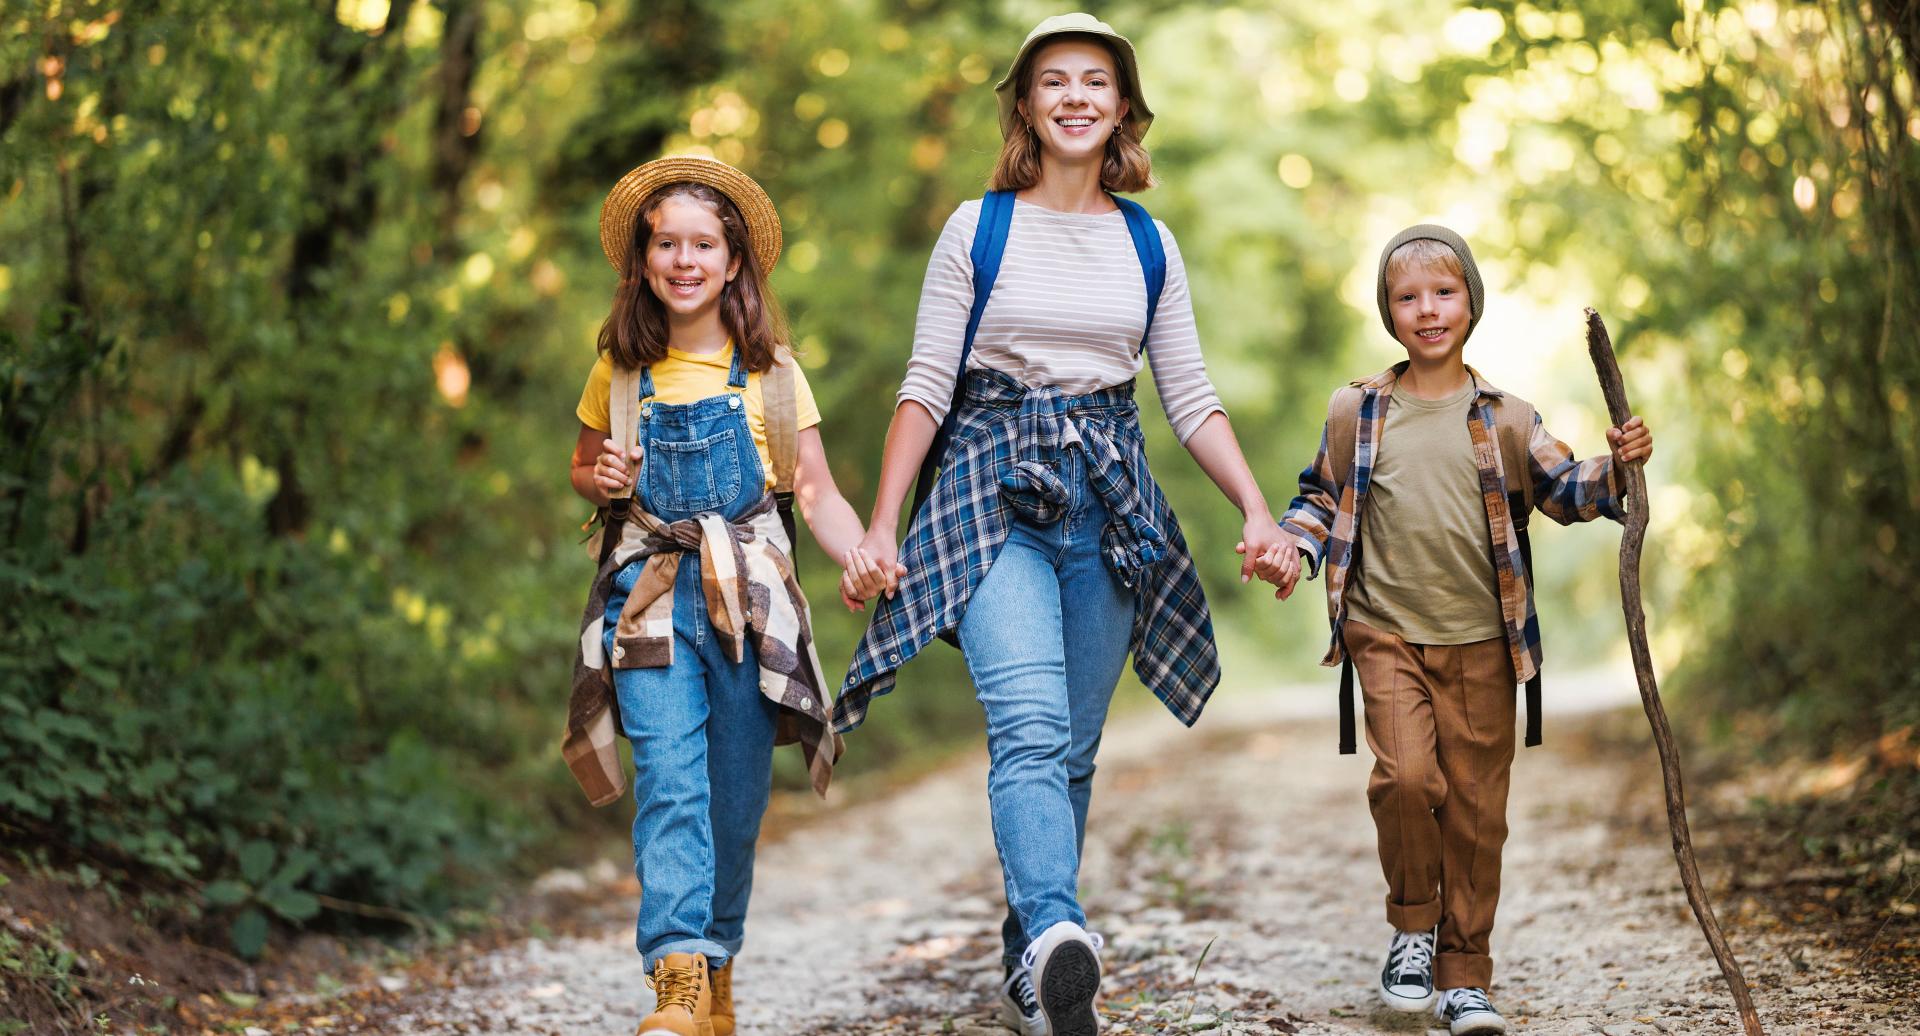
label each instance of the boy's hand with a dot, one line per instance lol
(612, 472)
(1631, 442)
(1289, 573)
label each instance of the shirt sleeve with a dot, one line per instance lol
(807, 411)
(1173, 348)
(592, 410)
(940, 328)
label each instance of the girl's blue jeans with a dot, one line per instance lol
(1045, 637)
(706, 734)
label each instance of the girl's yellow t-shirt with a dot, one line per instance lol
(689, 377)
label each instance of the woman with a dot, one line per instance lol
(1044, 497)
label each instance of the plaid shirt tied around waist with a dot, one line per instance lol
(752, 597)
(1325, 517)
(997, 468)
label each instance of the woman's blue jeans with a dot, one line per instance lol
(706, 734)
(1045, 637)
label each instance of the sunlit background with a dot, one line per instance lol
(296, 305)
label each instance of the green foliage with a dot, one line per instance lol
(294, 308)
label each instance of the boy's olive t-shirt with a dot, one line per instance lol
(1426, 554)
(689, 377)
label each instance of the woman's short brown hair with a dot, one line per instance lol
(1126, 167)
(635, 332)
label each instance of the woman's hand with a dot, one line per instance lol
(1267, 552)
(863, 578)
(878, 545)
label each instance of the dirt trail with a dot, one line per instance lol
(1246, 840)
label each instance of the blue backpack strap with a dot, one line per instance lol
(1153, 257)
(989, 247)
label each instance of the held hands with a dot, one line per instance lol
(870, 569)
(1631, 442)
(1268, 553)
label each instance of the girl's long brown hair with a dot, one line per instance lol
(635, 333)
(1126, 166)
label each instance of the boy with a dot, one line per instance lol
(1433, 472)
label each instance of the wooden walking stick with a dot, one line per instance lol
(1600, 346)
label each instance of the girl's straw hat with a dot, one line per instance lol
(1066, 24)
(623, 205)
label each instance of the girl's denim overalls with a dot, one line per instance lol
(702, 732)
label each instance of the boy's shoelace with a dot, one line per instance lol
(1411, 953)
(1469, 999)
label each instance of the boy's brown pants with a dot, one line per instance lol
(1440, 724)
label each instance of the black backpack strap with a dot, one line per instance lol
(1347, 738)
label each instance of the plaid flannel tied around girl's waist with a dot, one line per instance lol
(753, 597)
(997, 469)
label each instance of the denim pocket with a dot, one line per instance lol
(691, 477)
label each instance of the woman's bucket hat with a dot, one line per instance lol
(1077, 23)
(623, 203)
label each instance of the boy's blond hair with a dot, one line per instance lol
(1425, 253)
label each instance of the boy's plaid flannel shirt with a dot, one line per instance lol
(1565, 490)
(994, 467)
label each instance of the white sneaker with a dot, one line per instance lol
(1019, 1008)
(1406, 982)
(1466, 1011)
(1066, 978)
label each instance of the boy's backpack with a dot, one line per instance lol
(1513, 425)
(989, 247)
(777, 394)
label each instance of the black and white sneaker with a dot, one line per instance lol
(1065, 961)
(1019, 1008)
(1467, 1011)
(1406, 983)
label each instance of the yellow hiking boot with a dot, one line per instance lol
(721, 981)
(682, 1000)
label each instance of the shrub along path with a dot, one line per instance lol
(1231, 869)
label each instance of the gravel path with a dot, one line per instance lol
(1231, 869)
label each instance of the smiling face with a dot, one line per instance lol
(688, 263)
(1431, 309)
(1074, 100)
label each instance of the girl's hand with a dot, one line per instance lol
(1631, 442)
(612, 472)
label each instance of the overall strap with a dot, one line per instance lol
(737, 370)
(779, 400)
(989, 247)
(645, 391)
(1153, 257)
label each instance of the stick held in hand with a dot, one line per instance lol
(1600, 347)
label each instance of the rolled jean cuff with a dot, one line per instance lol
(1414, 917)
(716, 954)
(1462, 970)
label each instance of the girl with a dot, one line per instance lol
(695, 606)
(1046, 545)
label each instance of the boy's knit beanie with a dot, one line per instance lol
(1476, 293)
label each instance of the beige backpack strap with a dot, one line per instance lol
(623, 406)
(779, 398)
(1513, 424)
(1343, 426)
